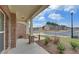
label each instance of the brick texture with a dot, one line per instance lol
(13, 30)
(5, 9)
(20, 30)
(6, 32)
(12, 17)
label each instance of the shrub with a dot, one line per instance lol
(74, 44)
(46, 40)
(61, 48)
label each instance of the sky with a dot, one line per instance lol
(60, 14)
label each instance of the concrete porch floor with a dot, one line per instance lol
(22, 47)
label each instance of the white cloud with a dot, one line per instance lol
(67, 8)
(55, 16)
(40, 19)
(44, 12)
(70, 8)
(39, 22)
(54, 7)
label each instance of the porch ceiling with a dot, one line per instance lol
(26, 12)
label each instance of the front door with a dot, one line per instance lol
(1, 31)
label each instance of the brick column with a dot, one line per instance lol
(6, 31)
(13, 30)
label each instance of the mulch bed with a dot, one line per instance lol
(52, 48)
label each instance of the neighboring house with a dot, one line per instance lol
(53, 27)
(37, 29)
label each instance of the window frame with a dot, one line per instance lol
(4, 27)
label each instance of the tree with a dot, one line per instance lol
(52, 23)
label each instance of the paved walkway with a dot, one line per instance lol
(22, 47)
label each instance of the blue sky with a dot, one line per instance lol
(59, 14)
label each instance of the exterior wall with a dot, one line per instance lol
(20, 30)
(10, 17)
(5, 9)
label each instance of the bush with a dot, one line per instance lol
(74, 44)
(46, 40)
(61, 48)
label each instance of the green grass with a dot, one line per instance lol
(67, 40)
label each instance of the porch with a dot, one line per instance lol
(22, 47)
(18, 14)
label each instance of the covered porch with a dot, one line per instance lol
(20, 17)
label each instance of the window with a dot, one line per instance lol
(1, 21)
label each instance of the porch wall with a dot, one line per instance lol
(5, 9)
(20, 30)
(10, 31)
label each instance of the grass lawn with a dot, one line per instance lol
(67, 40)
